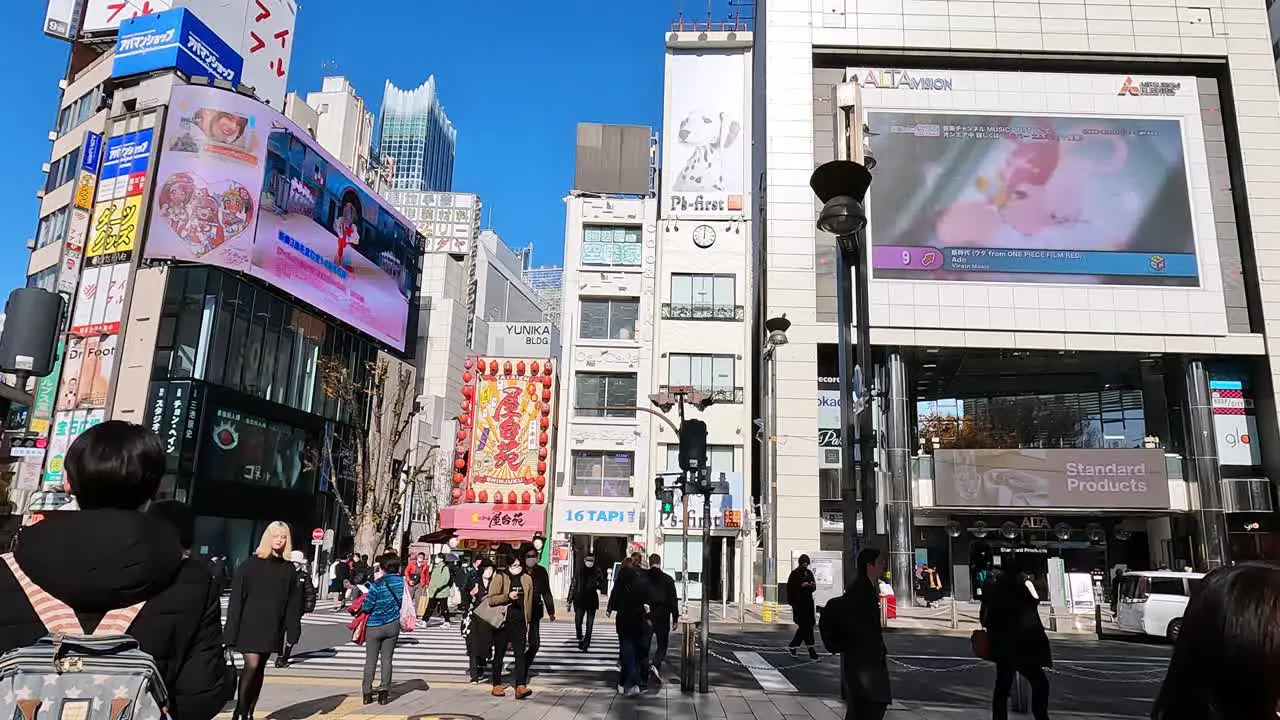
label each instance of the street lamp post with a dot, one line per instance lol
(777, 329)
(841, 185)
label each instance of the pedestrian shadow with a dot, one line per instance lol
(399, 690)
(308, 708)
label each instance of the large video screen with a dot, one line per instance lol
(242, 187)
(1031, 198)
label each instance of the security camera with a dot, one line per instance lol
(777, 337)
(842, 216)
(841, 185)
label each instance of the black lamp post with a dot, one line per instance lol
(841, 185)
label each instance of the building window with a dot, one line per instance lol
(720, 458)
(53, 227)
(46, 279)
(712, 375)
(609, 319)
(702, 297)
(603, 474)
(62, 170)
(79, 111)
(611, 245)
(595, 391)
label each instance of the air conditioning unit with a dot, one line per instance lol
(31, 244)
(62, 84)
(44, 168)
(39, 193)
(53, 134)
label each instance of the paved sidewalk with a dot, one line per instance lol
(300, 698)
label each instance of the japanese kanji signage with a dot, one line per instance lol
(67, 426)
(262, 32)
(511, 424)
(105, 16)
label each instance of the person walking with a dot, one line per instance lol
(112, 554)
(543, 603)
(438, 590)
(264, 612)
(1019, 645)
(629, 599)
(1227, 655)
(476, 633)
(664, 613)
(512, 589)
(851, 626)
(307, 587)
(800, 588)
(340, 580)
(585, 590)
(382, 604)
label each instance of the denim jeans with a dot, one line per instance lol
(633, 647)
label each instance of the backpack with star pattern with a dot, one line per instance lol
(70, 674)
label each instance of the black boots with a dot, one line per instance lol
(382, 697)
(367, 698)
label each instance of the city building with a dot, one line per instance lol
(337, 118)
(185, 313)
(1070, 319)
(416, 132)
(703, 301)
(548, 282)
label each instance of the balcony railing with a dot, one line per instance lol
(702, 311)
(719, 395)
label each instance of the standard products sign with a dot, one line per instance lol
(1051, 479)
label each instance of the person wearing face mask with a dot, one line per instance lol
(585, 590)
(543, 603)
(438, 589)
(476, 633)
(512, 589)
(800, 587)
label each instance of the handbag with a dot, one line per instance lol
(980, 642)
(230, 675)
(359, 627)
(408, 619)
(494, 617)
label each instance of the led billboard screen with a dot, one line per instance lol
(242, 187)
(1031, 198)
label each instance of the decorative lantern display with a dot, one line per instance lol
(534, 367)
(542, 453)
(520, 368)
(466, 376)
(544, 422)
(459, 478)
(467, 391)
(480, 365)
(467, 363)
(542, 467)
(506, 368)
(541, 498)
(511, 497)
(457, 494)
(471, 495)
(546, 396)
(543, 439)
(493, 367)
(546, 369)
(525, 497)
(483, 496)
(461, 434)
(540, 481)
(460, 464)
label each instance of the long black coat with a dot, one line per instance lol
(665, 602)
(631, 592)
(801, 597)
(100, 560)
(1012, 619)
(265, 606)
(586, 587)
(866, 669)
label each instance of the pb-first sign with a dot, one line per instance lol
(174, 39)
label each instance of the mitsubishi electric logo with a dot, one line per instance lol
(1150, 88)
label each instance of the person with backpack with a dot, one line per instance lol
(264, 612)
(130, 577)
(850, 626)
(800, 587)
(383, 605)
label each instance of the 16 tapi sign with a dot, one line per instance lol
(174, 39)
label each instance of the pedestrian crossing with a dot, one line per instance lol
(322, 616)
(440, 650)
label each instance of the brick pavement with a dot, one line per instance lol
(301, 698)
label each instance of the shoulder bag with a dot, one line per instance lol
(494, 617)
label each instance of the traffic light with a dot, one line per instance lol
(665, 496)
(693, 445)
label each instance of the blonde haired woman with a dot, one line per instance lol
(264, 610)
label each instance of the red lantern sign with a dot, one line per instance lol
(466, 376)
(543, 439)
(546, 396)
(467, 390)
(480, 365)
(540, 482)
(506, 367)
(460, 464)
(493, 367)
(497, 498)
(546, 369)
(464, 420)
(457, 494)
(542, 468)
(462, 434)
(541, 498)
(484, 496)
(459, 478)
(544, 422)
(520, 368)
(525, 497)
(533, 368)
(471, 495)
(511, 497)
(467, 363)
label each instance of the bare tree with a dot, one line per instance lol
(374, 459)
(1012, 422)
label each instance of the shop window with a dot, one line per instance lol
(53, 227)
(712, 375)
(720, 458)
(594, 392)
(702, 297)
(194, 321)
(62, 170)
(611, 245)
(46, 279)
(602, 474)
(252, 450)
(270, 346)
(609, 319)
(1105, 419)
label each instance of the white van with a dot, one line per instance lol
(1152, 603)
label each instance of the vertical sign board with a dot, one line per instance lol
(262, 32)
(67, 426)
(60, 19)
(46, 392)
(81, 203)
(103, 17)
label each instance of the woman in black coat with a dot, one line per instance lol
(864, 656)
(800, 587)
(264, 612)
(476, 632)
(1018, 641)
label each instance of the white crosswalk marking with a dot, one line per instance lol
(441, 651)
(319, 617)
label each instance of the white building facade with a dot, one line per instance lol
(1146, 312)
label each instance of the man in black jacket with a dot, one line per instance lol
(542, 601)
(585, 590)
(665, 613)
(122, 557)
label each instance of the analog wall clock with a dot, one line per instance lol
(704, 236)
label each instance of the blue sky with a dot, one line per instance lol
(515, 77)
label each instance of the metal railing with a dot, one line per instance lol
(702, 311)
(718, 395)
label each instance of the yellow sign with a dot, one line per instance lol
(114, 230)
(85, 185)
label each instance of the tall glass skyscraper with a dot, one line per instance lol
(418, 135)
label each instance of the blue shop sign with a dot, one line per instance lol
(603, 516)
(174, 39)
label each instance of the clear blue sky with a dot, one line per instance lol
(515, 77)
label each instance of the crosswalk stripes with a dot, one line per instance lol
(440, 650)
(319, 617)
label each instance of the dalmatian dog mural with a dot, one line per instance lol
(705, 135)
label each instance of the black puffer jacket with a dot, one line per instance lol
(100, 560)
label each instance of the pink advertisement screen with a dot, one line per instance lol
(241, 187)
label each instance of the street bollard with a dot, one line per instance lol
(1053, 620)
(688, 656)
(1097, 619)
(884, 612)
(955, 621)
